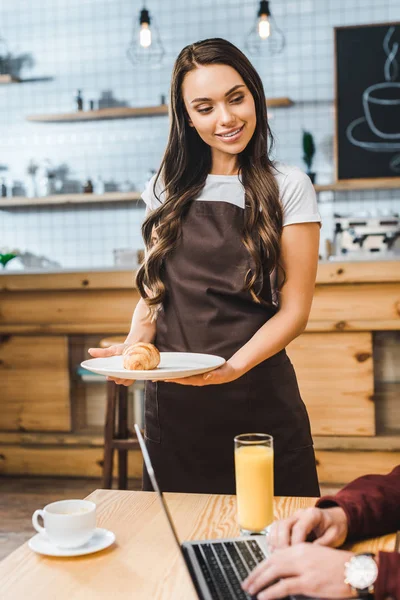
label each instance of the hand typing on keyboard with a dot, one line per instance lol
(327, 527)
(306, 568)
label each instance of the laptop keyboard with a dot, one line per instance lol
(226, 564)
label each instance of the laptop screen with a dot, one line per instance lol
(154, 483)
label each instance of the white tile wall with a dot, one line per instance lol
(82, 44)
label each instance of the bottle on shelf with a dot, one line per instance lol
(98, 186)
(88, 187)
(17, 188)
(3, 188)
(79, 100)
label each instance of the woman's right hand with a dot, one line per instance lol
(328, 526)
(114, 350)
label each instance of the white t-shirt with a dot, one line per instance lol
(296, 193)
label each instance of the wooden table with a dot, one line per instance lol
(145, 563)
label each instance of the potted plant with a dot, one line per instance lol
(308, 153)
(6, 255)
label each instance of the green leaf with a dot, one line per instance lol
(5, 258)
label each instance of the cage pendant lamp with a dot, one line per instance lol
(146, 46)
(265, 37)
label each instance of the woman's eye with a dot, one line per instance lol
(236, 100)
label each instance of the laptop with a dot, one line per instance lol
(216, 567)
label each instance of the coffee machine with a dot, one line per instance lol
(366, 237)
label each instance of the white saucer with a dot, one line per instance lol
(102, 538)
(172, 365)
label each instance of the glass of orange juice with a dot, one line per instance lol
(254, 471)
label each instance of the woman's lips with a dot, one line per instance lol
(231, 138)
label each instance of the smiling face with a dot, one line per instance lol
(222, 110)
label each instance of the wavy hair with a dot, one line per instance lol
(184, 169)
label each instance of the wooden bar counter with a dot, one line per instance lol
(47, 318)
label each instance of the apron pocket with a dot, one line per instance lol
(152, 431)
(273, 367)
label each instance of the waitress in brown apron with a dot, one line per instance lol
(232, 250)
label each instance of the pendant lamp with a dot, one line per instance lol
(265, 37)
(146, 46)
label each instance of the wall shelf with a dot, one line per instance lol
(102, 114)
(9, 79)
(363, 184)
(64, 199)
(283, 102)
(125, 112)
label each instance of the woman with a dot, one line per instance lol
(230, 238)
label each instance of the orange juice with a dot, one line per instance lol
(254, 468)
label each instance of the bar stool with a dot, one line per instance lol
(121, 440)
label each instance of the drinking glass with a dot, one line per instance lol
(254, 470)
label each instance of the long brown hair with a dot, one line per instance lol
(186, 164)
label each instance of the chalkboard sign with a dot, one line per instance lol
(367, 102)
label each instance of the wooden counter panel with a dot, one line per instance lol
(335, 375)
(61, 461)
(335, 467)
(66, 328)
(358, 272)
(352, 325)
(346, 307)
(81, 280)
(344, 466)
(328, 273)
(68, 307)
(34, 383)
(366, 302)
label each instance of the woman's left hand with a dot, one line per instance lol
(306, 569)
(223, 374)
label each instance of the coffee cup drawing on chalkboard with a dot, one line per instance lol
(379, 129)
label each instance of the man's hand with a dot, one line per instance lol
(303, 569)
(328, 525)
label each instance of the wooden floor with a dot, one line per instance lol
(21, 496)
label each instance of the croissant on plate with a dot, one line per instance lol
(141, 356)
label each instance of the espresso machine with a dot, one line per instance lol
(366, 237)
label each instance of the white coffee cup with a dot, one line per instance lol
(67, 523)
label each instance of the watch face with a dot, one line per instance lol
(361, 572)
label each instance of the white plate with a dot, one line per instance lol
(102, 538)
(172, 365)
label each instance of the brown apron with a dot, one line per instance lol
(189, 430)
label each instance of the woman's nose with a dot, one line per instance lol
(226, 117)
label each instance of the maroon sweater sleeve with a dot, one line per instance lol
(372, 507)
(371, 503)
(387, 584)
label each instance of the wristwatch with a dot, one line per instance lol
(360, 573)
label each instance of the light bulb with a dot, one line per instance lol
(145, 35)
(264, 28)
(146, 46)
